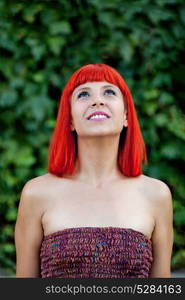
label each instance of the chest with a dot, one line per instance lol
(122, 205)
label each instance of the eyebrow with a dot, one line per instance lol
(88, 88)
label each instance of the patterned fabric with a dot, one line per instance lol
(96, 252)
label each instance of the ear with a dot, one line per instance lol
(72, 126)
(125, 122)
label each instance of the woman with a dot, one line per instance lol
(94, 214)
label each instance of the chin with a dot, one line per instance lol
(100, 133)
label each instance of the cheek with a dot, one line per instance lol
(120, 110)
(77, 112)
(120, 116)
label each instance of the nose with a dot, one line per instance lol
(98, 102)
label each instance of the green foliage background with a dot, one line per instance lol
(43, 42)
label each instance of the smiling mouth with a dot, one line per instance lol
(102, 118)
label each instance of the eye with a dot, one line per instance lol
(82, 94)
(109, 91)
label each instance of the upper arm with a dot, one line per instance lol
(28, 232)
(162, 237)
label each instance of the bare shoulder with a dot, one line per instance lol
(160, 193)
(34, 192)
(157, 185)
(38, 184)
(34, 186)
(154, 181)
(41, 187)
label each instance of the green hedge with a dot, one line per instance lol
(43, 42)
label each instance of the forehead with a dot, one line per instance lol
(94, 84)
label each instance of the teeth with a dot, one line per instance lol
(98, 116)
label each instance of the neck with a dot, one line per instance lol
(97, 160)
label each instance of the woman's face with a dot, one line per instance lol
(102, 97)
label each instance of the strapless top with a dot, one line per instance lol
(96, 252)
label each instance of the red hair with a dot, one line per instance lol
(63, 147)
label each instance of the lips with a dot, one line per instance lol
(98, 113)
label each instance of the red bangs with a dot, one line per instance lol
(96, 72)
